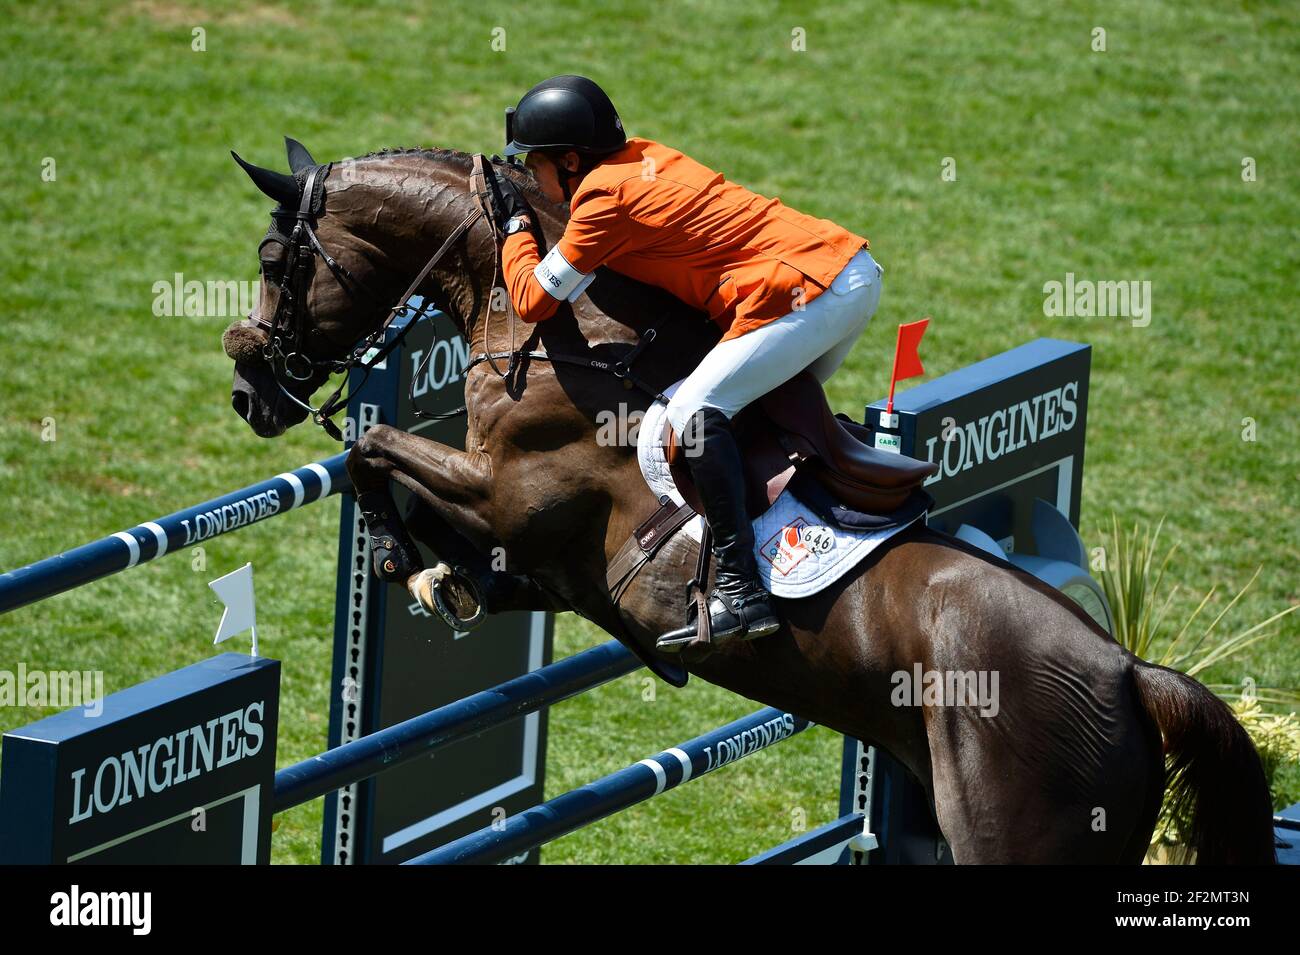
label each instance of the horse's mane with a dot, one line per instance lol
(521, 175)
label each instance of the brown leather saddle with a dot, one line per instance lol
(793, 429)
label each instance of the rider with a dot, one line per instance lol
(757, 267)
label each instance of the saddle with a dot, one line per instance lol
(792, 429)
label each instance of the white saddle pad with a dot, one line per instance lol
(798, 554)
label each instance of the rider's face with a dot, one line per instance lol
(548, 174)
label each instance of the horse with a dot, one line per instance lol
(1086, 738)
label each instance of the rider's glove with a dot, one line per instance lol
(507, 200)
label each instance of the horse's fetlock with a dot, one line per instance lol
(393, 562)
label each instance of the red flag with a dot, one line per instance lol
(907, 361)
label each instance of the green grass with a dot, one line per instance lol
(1116, 165)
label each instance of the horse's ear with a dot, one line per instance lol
(299, 158)
(283, 189)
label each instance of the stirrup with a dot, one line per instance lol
(747, 622)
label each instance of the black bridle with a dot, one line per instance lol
(289, 326)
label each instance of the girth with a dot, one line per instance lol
(645, 542)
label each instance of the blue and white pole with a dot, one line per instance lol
(153, 539)
(627, 787)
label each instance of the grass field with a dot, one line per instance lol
(1125, 164)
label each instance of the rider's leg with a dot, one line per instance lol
(818, 337)
(733, 374)
(861, 273)
(738, 604)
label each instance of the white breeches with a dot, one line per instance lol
(818, 339)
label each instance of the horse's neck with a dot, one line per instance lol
(423, 200)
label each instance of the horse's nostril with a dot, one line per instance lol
(239, 401)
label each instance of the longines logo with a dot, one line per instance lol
(447, 360)
(227, 518)
(749, 741)
(159, 764)
(1003, 432)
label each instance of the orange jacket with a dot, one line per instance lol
(656, 215)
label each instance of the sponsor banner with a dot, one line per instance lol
(178, 769)
(1003, 431)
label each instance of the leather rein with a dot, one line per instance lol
(287, 328)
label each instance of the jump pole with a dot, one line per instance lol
(627, 787)
(421, 735)
(186, 528)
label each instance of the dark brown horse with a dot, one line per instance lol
(1070, 769)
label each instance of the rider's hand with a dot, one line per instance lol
(507, 200)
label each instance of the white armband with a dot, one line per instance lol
(560, 279)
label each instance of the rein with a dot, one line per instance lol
(285, 330)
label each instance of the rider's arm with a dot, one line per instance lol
(597, 231)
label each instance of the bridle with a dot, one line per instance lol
(288, 327)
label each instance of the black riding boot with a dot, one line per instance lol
(739, 605)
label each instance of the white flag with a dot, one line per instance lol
(236, 592)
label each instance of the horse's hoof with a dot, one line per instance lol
(450, 595)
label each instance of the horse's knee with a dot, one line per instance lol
(368, 461)
(373, 444)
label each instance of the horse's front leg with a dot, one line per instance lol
(454, 488)
(455, 484)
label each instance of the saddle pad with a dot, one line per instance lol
(798, 553)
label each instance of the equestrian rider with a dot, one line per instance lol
(760, 270)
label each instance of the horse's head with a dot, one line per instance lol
(325, 286)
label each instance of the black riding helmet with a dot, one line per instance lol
(564, 112)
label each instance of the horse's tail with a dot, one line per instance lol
(1215, 776)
